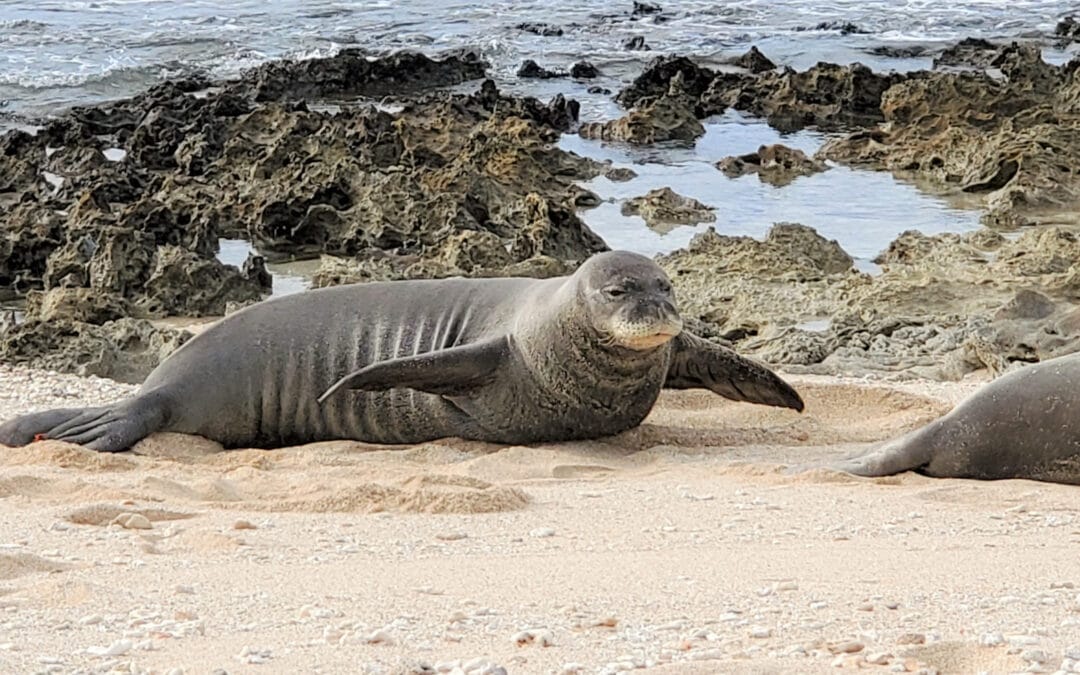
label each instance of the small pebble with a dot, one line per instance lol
(254, 656)
(992, 640)
(118, 648)
(879, 658)
(381, 636)
(849, 647)
(542, 638)
(451, 536)
(911, 639)
(760, 632)
(1035, 656)
(133, 521)
(542, 532)
(242, 524)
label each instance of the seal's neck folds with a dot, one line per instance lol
(559, 342)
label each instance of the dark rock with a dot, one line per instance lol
(826, 96)
(599, 90)
(645, 8)
(843, 27)
(531, 69)
(636, 44)
(895, 52)
(1068, 29)
(254, 270)
(185, 284)
(350, 73)
(620, 174)
(655, 80)
(542, 29)
(667, 118)
(775, 164)
(583, 70)
(664, 209)
(754, 61)
(28, 234)
(968, 53)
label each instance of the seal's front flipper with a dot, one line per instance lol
(699, 364)
(448, 372)
(105, 429)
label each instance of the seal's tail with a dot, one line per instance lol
(106, 429)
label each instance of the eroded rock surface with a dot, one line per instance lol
(669, 117)
(775, 164)
(125, 350)
(1005, 140)
(664, 209)
(942, 306)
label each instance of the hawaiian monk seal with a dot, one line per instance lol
(510, 360)
(1025, 424)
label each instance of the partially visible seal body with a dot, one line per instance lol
(503, 360)
(1022, 425)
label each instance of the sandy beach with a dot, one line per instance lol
(680, 547)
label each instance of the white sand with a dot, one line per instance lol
(681, 546)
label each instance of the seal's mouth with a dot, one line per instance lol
(651, 335)
(644, 342)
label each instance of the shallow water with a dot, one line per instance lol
(862, 210)
(288, 278)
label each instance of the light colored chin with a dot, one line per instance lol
(647, 341)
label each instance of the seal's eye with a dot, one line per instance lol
(665, 287)
(614, 291)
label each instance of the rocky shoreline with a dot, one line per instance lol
(406, 166)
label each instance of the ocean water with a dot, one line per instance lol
(58, 53)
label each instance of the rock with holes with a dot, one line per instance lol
(125, 350)
(775, 164)
(664, 209)
(1003, 140)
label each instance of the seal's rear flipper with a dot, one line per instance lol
(106, 429)
(910, 452)
(699, 364)
(448, 372)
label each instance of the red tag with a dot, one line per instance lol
(40, 437)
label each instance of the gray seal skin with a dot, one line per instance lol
(1025, 424)
(508, 360)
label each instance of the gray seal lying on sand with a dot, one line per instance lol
(508, 360)
(1025, 424)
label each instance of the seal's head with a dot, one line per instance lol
(628, 300)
